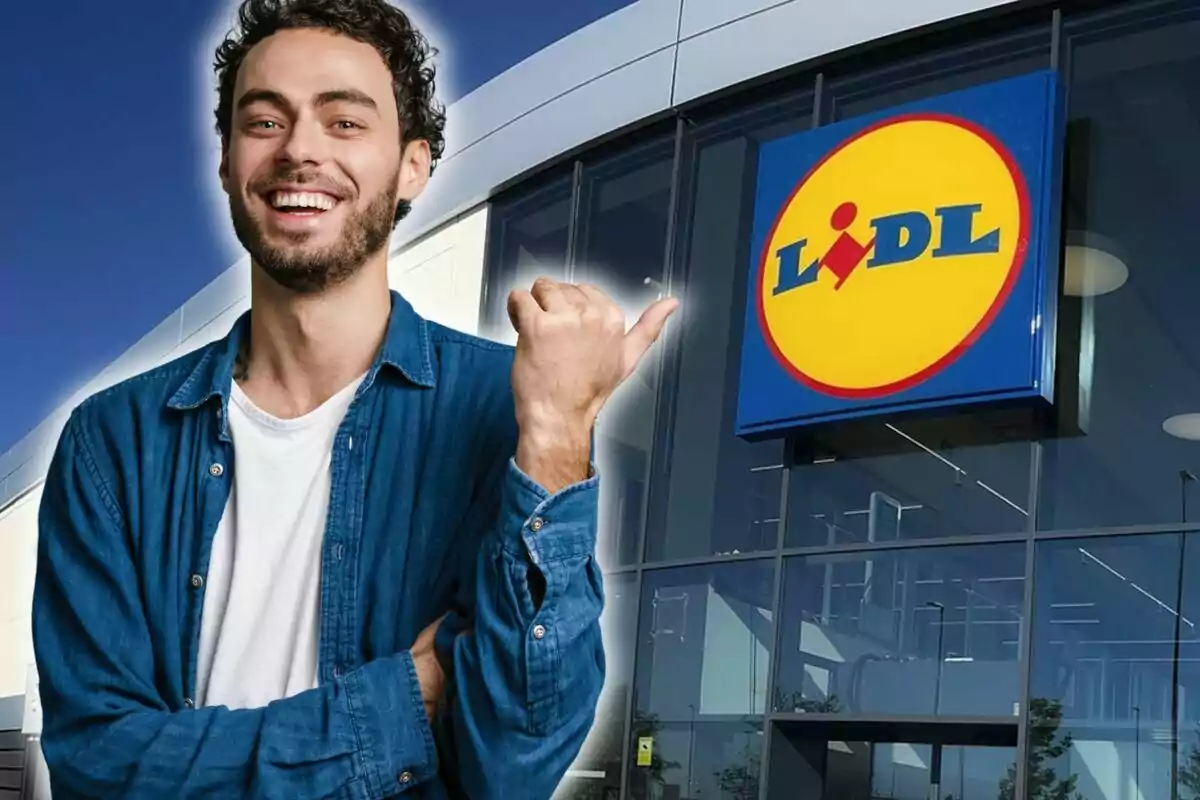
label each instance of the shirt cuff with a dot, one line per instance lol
(549, 527)
(394, 736)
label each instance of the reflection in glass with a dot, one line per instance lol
(918, 480)
(1114, 665)
(907, 632)
(596, 773)
(1129, 358)
(721, 494)
(901, 771)
(624, 213)
(947, 71)
(830, 765)
(530, 236)
(943, 72)
(696, 760)
(705, 641)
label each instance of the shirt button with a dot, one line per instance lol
(537, 524)
(187, 701)
(216, 470)
(197, 581)
(539, 631)
(404, 777)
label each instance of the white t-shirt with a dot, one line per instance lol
(260, 624)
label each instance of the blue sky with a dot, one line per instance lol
(108, 222)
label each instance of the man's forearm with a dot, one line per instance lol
(351, 738)
(554, 455)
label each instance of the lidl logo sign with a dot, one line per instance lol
(905, 260)
(858, 275)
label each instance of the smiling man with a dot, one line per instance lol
(344, 551)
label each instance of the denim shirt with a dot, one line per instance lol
(428, 513)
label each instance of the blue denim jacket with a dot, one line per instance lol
(428, 513)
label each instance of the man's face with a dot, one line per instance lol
(314, 166)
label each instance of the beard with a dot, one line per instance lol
(309, 270)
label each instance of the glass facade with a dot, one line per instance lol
(991, 606)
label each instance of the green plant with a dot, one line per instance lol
(1045, 748)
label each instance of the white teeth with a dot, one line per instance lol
(302, 200)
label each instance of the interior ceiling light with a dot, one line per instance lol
(1092, 266)
(1183, 426)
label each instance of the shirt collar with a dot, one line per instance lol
(405, 348)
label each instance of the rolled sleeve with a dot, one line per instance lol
(548, 528)
(526, 674)
(394, 738)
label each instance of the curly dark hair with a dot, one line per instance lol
(405, 50)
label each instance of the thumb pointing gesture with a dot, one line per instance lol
(645, 332)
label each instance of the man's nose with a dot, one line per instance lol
(305, 143)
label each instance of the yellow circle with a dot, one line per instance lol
(888, 326)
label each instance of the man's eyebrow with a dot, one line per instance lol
(353, 96)
(253, 96)
(274, 98)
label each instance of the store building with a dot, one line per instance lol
(989, 604)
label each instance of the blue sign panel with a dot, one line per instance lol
(906, 260)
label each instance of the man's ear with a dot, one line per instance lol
(415, 165)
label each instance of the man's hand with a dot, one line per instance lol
(429, 670)
(572, 353)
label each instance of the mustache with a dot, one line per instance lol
(310, 180)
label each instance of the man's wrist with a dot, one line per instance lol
(555, 455)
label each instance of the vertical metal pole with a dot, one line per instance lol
(777, 635)
(937, 690)
(1025, 646)
(1025, 643)
(1137, 749)
(935, 773)
(1175, 671)
(1185, 477)
(627, 720)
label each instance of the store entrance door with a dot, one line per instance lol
(825, 759)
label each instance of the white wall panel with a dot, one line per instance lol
(626, 35)
(18, 560)
(442, 275)
(795, 32)
(214, 329)
(227, 289)
(698, 16)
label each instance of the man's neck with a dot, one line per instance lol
(303, 349)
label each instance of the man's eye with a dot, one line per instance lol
(347, 125)
(263, 124)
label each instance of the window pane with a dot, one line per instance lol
(1129, 356)
(529, 239)
(720, 760)
(720, 494)
(925, 484)
(939, 73)
(624, 212)
(705, 641)
(906, 632)
(596, 773)
(1108, 651)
